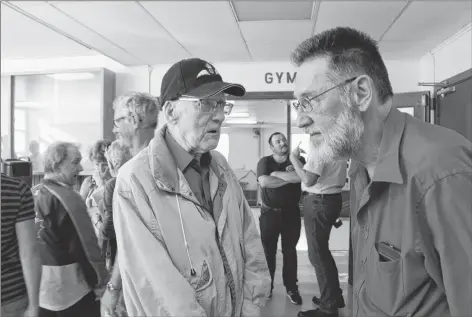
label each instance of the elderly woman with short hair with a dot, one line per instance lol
(72, 266)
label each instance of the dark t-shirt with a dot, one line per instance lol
(284, 196)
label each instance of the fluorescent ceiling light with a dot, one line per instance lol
(71, 76)
(240, 121)
(239, 115)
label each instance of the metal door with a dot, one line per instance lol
(454, 104)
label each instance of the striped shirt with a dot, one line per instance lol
(17, 206)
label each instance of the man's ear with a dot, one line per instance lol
(134, 120)
(170, 112)
(363, 92)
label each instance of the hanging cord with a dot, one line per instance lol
(192, 270)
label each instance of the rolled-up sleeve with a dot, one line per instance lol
(448, 209)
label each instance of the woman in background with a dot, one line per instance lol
(93, 186)
(117, 155)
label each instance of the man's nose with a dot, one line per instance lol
(303, 121)
(219, 115)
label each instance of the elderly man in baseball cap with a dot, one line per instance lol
(190, 244)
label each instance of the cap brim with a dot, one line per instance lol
(210, 89)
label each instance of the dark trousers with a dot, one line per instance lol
(320, 214)
(85, 307)
(285, 222)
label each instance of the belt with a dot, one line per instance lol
(271, 208)
(320, 195)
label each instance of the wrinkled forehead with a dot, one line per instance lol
(312, 77)
(120, 112)
(278, 137)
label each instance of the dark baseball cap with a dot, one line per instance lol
(195, 78)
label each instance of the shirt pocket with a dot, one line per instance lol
(385, 285)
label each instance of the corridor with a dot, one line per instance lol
(280, 305)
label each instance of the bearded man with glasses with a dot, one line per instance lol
(187, 239)
(411, 181)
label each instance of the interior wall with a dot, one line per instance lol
(448, 59)
(259, 76)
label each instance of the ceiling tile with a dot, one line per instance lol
(24, 38)
(205, 28)
(273, 31)
(49, 14)
(274, 40)
(270, 11)
(434, 21)
(372, 17)
(397, 50)
(126, 24)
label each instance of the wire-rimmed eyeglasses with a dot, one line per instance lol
(304, 104)
(211, 106)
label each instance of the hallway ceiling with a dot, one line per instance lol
(161, 32)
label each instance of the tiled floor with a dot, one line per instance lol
(280, 306)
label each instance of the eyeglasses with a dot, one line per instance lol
(305, 104)
(211, 106)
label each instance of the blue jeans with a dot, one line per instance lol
(320, 213)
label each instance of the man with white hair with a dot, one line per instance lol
(187, 240)
(135, 119)
(73, 270)
(411, 181)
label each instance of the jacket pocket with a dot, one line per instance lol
(205, 288)
(384, 283)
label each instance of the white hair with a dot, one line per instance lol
(55, 154)
(144, 105)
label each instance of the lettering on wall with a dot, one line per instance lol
(280, 77)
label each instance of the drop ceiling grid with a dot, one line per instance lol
(430, 20)
(20, 34)
(274, 40)
(372, 17)
(124, 23)
(54, 17)
(207, 29)
(272, 11)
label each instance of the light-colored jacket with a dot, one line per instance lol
(171, 251)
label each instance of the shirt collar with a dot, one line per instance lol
(388, 164)
(182, 158)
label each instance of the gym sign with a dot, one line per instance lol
(280, 77)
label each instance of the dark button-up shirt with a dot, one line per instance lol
(424, 172)
(196, 173)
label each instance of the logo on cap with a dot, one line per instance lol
(208, 70)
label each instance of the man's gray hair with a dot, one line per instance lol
(118, 154)
(144, 105)
(350, 53)
(55, 154)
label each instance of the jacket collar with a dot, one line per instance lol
(388, 164)
(165, 169)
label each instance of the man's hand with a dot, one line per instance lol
(108, 303)
(295, 154)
